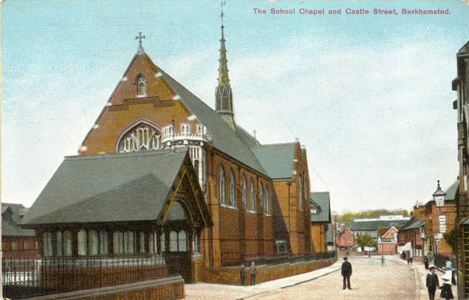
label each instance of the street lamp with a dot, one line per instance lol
(439, 196)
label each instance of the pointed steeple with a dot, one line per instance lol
(223, 93)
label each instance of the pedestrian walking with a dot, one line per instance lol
(242, 274)
(253, 273)
(449, 270)
(432, 282)
(425, 262)
(346, 271)
(446, 292)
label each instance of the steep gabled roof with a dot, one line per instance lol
(224, 138)
(322, 199)
(108, 188)
(277, 159)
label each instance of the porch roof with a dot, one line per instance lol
(108, 188)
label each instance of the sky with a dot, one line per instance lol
(369, 96)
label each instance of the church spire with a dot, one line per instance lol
(223, 93)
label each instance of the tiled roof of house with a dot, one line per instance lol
(106, 188)
(322, 199)
(12, 215)
(412, 224)
(373, 225)
(464, 49)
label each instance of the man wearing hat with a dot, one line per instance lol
(432, 282)
(346, 272)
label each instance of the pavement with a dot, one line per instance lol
(201, 291)
(370, 280)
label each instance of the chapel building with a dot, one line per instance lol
(162, 172)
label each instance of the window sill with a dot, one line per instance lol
(228, 206)
(252, 211)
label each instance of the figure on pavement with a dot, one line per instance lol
(449, 270)
(432, 282)
(253, 273)
(425, 262)
(446, 292)
(346, 272)
(242, 274)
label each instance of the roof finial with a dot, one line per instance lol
(223, 3)
(140, 37)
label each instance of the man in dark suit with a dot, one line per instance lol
(346, 271)
(432, 282)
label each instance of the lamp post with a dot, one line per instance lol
(439, 197)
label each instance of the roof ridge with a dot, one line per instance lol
(276, 144)
(131, 154)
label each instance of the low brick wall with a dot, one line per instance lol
(171, 288)
(230, 275)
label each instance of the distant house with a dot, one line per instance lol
(387, 241)
(320, 220)
(344, 239)
(411, 236)
(16, 241)
(372, 226)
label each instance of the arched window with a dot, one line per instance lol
(141, 137)
(129, 239)
(221, 186)
(162, 243)
(58, 243)
(82, 242)
(252, 195)
(173, 241)
(141, 242)
(47, 243)
(261, 194)
(182, 241)
(93, 242)
(305, 189)
(266, 201)
(118, 243)
(299, 193)
(103, 243)
(141, 86)
(232, 189)
(67, 237)
(244, 195)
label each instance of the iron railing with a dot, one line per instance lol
(33, 277)
(440, 260)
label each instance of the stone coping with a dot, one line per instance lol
(114, 289)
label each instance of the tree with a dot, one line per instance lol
(451, 238)
(365, 240)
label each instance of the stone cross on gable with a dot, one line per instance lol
(140, 37)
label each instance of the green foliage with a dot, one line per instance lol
(347, 218)
(451, 238)
(365, 240)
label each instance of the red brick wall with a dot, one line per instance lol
(20, 252)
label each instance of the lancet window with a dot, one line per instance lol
(141, 86)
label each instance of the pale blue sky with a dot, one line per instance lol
(369, 96)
